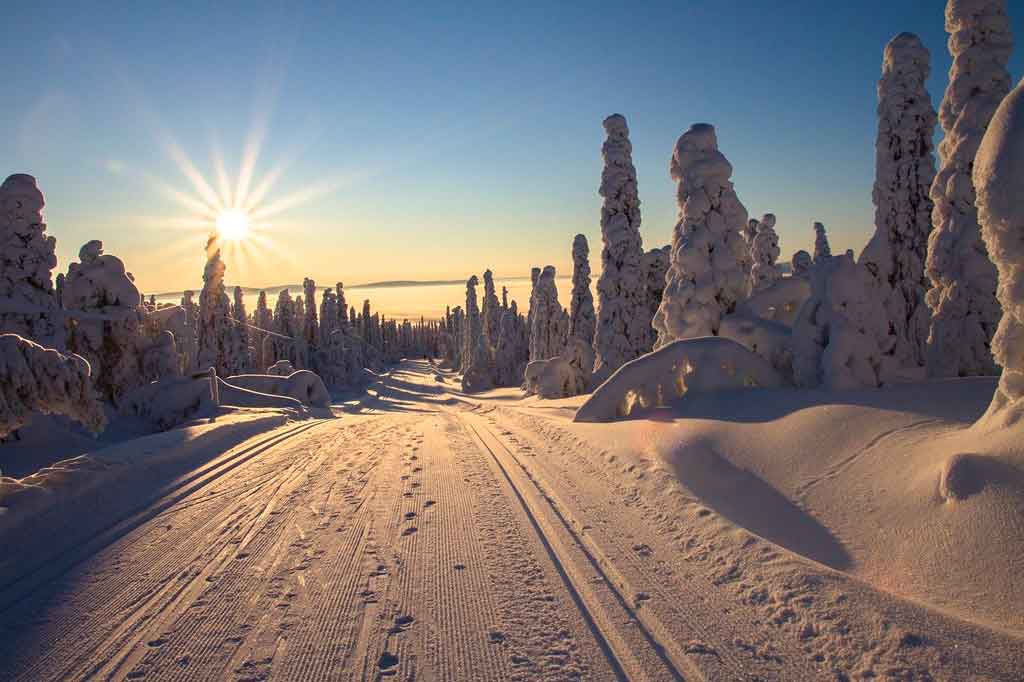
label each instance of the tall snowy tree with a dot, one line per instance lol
(219, 343)
(705, 278)
(998, 176)
(476, 372)
(27, 258)
(311, 326)
(547, 333)
(581, 305)
(622, 328)
(822, 251)
(241, 324)
(491, 311)
(654, 266)
(904, 170)
(343, 321)
(764, 251)
(965, 311)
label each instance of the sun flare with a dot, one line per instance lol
(233, 225)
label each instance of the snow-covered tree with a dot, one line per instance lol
(28, 305)
(38, 379)
(547, 334)
(705, 278)
(491, 311)
(654, 265)
(220, 345)
(904, 170)
(105, 328)
(965, 311)
(764, 251)
(998, 176)
(622, 326)
(242, 325)
(508, 354)
(581, 306)
(822, 251)
(476, 372)
(311, 326)
(801, 263)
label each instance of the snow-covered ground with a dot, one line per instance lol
(768, 534)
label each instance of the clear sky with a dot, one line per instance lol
(428, 141)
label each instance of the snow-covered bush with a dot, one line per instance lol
(581, 305)
(904, 170)
(28, 305)
(303, 385)
(547, 333)
(679, 367)
(220, 345)
(622, 326)
(801, 263)
(38, 379)
(965, 311)
(764, 251)
(841, 336)
(999, 181)
(705, 278)
(822, 250)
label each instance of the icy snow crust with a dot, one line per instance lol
(963, 300)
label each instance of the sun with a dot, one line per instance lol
(233, 225)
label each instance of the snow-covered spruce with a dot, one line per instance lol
(547, 333)
(28, 305)
(508, 368)
(476, 369)
(999, 181)
(841, 339)
(581, 305)
(822, 250)
(622, 328)
(965, 311)
(220, 345)
(38, 379)
(764, 251)
(310, 326)
(654, 265)
(490, 311)
(801, 263)
(677, 368)
(904, 170)
(343, 321)
(705, 278)
(242, 326)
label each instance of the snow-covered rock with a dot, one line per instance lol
(679, 367)
(28, 305)
(965, 311)
(581, 306)
(38, 379)
(904, 170)
(705, 279)
(764, 251)
(622, 325)
(999, 181)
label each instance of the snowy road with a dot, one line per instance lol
(426, 538)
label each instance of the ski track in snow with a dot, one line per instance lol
(426, 538)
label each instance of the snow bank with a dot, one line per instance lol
(37, 379)
(965, 311)
(623, 330)
(680, 367)
(999, 180)
(706, 277)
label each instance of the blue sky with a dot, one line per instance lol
(432, 141)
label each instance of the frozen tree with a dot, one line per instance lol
(581, 306)
(963, 295)
(241, 324)
(220, 345)
(28, 306)
(622, 328)
(491, 311)
(504, 298)
(284, 314)
(904, 170)
(705, 278)
(476, 372)
(311, 327)
(801, 263)
(764, 251)
(38, 379)
(105, 325)
(508, 369)
(534, 278)
(822, 250)
(999, 181)
(547, 333)
(654, 265)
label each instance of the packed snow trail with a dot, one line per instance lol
(430, 536)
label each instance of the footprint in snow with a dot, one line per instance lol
(409, 531)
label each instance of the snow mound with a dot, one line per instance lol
(37, 379)
(563, 376)
(170, 402)
(303, 385)
(688, 365)
(281, 368)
